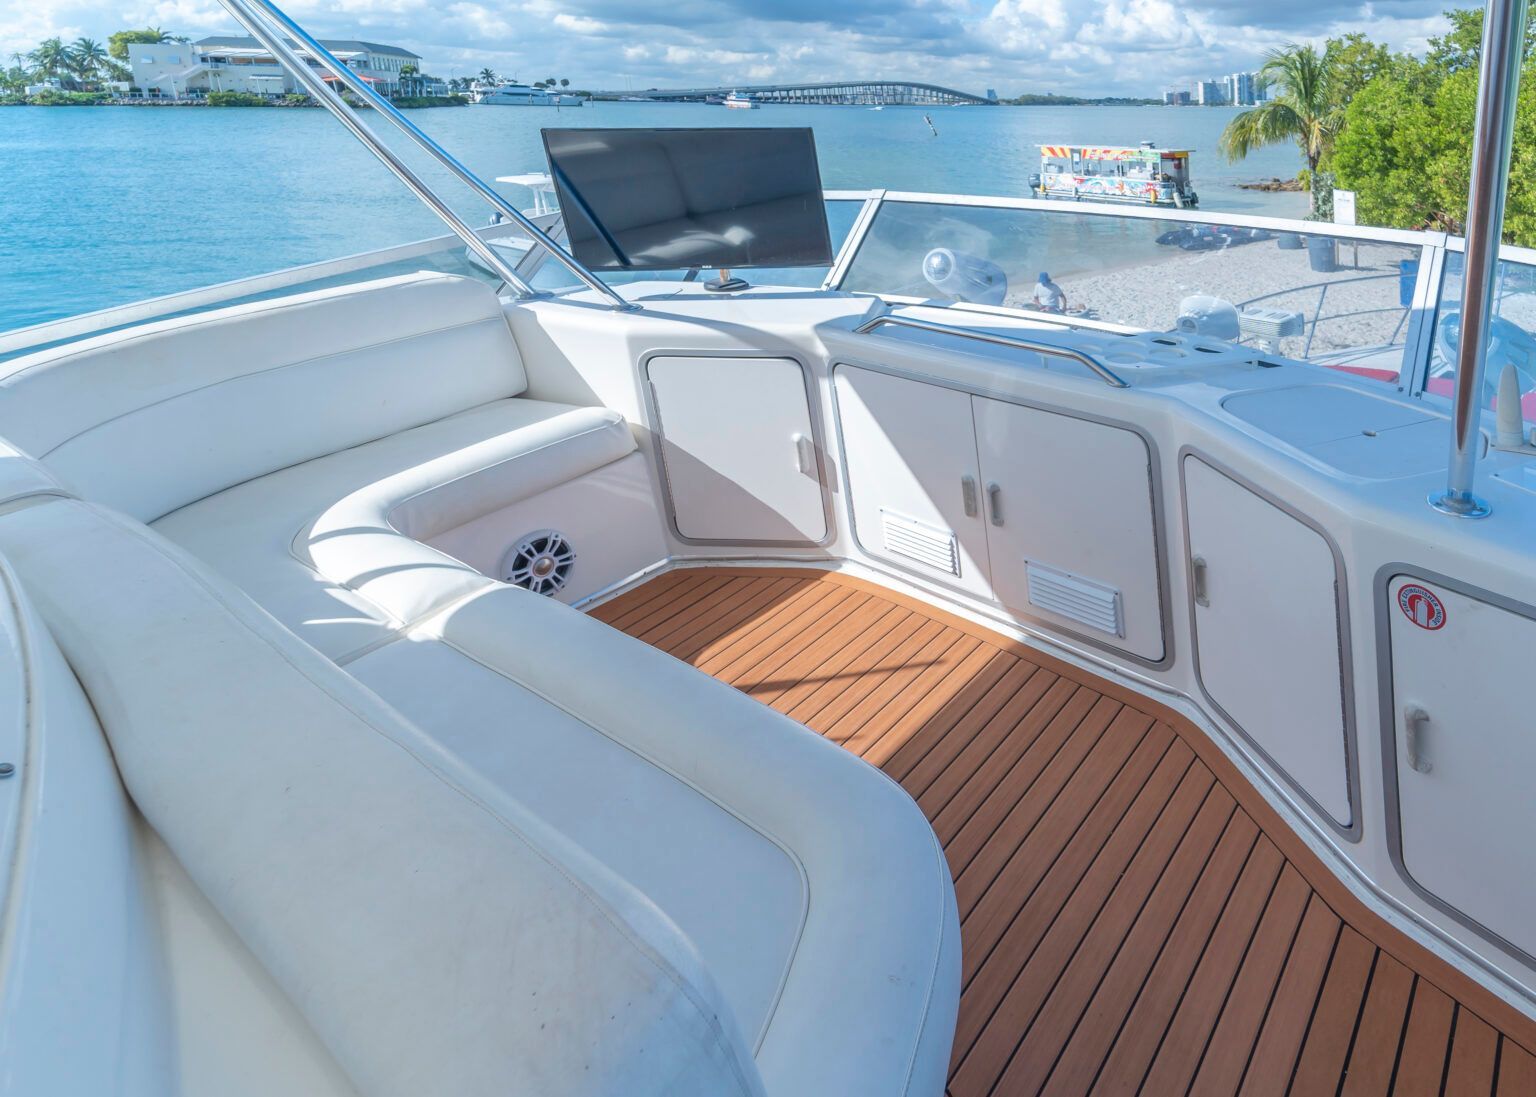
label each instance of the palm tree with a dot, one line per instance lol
(50, 58)
(1305, 111)
(86, 57)
(487, 76)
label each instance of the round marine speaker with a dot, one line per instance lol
(540, 562)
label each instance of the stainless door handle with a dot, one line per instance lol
(995, 503)
(968, 495)
(1198, 581)
(1415, 725)
(805, 455)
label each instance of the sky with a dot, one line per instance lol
(1075, 47)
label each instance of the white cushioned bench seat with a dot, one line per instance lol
(812, 885)
(333, 547)
(152, 418)
(438, 937)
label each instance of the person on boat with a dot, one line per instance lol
(1048, 295)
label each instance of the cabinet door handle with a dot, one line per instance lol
(1198, 581)
(805, 455)
(995, 503)
(968, 495)
(1415, 725)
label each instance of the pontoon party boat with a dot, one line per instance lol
(592, 678)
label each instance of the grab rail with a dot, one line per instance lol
(249, 13)
(1107, 375)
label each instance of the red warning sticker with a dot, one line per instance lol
(1421, 606)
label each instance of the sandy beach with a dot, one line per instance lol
(1353, 307)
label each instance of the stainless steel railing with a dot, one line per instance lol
(1492, 139)
(1103, 372)
(250, 14)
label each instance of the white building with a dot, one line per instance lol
(1240, 88)
(1210, 93)
(232, 63)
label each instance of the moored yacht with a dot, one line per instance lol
(576, 674)
(739, 101)
(521, 95)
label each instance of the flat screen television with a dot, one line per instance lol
(675, 199)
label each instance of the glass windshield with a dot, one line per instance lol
(1339, 302)
(841, 213)
(1512, 336)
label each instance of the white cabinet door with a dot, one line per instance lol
(1466, 753)
(741, 460)
(1070, 527)
(1267, 631)
(912, 474)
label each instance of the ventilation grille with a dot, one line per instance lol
(1092, 604)
(540, 562)
(936, 548)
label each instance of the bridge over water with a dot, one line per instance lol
(856, 93)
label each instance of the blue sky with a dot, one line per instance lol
(1096, 47)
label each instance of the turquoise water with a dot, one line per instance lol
(101, 206)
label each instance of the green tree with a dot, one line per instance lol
(1461, 48)
(1303, 109)
(564, 83)
(487, 76)
(118, 43)
(50, 59)
(1353, 61)
(86, 59)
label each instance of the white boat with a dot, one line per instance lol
(737, 101)
(860, 685)
(521, 95)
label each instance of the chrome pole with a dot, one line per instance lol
(348, 117)
(1498, 82)
(411, 130)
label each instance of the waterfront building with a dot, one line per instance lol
(1176, 97)
(1210, 93)
(236, 63)
(1241, 88)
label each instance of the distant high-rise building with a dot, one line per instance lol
(992, 94)
(1176, 97)
(1210, 93)
(1240, 87)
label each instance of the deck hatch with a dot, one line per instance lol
(1089, 603)
(930, 545)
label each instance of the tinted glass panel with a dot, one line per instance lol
(671, 199)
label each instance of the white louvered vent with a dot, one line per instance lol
(937, 548)
(1093, 604)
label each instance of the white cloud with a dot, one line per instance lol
(1119, 47)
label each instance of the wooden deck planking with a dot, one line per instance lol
(1135, 918)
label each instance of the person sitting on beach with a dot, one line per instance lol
(1049, 296)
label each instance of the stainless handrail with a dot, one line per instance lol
(1104, 373)
(344, 114)
(1492, 138)
(469, 178)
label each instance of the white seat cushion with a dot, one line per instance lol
(438, 937)
(329, 547)
(154, 417)
(812, 885)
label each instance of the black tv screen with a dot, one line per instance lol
(672, 199)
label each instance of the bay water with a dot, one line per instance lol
(104, 205)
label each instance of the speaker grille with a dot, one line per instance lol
(540, 562)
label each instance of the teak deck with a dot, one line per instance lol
(1135, 917)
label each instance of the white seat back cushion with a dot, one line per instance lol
(438, 938)
(152, 418)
